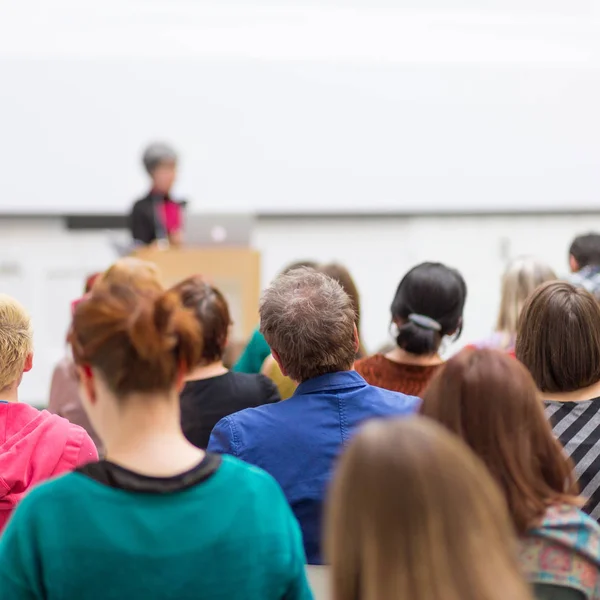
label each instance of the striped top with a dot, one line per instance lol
(577, 426)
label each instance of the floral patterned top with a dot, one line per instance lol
(564, 551)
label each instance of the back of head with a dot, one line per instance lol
(309, 321)
(158, 153)
(521, 278)
(490, 400)
(343, 277)
(138, 339)
(299, 264)
(412, 513)
(558, 338)
(428, 305)
(131, 271)
(211, 310)
(16, 340)
(585, 249)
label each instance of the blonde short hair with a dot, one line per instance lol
(129, 270)
(16, 340)
(523, 275)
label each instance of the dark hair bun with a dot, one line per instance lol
(434, 293)
(417, 340)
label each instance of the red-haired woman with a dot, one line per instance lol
(490, 400)
(158, 518)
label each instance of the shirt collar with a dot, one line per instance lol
(341, 379)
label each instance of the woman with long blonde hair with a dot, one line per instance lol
(413, 514)
(523, 275)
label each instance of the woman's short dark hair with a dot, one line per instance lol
(428, 305)
(212, 312)
(558, 337)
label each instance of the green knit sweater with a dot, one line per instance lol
(230, 536)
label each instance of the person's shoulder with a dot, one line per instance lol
(368, 361)
(142, 202)
(566, 515)
(56, 423)
(240, 470)
(245, 378)
(390, 402)
(248, 476)
(78, 446)
(569, 527)
(53, 492)
(375, 368)
(255, 381)
(255, 415)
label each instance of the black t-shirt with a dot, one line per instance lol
(205, 402)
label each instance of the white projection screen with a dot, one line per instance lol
(302, 107)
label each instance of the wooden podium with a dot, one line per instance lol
(234, 271)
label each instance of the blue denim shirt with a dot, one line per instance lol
(298, 440)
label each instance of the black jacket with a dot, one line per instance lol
(144, 223)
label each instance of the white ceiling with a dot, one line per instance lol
(381, 30)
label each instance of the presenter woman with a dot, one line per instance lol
(157, 218)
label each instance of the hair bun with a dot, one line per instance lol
(417, 339)
(139, 339)
(155, 326)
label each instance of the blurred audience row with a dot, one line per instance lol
(473, 478)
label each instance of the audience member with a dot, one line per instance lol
(520, 279)
(65, 400)
(558, 340)
(34, 445)
(412, 514)
(159, 517)
(343, 277)
(212, 392)
(287, 386)
(428, 306)
(584, 260)
(310, 325)
(257, 350)
(133, 271)
(490, 400)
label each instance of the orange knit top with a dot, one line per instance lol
(398, 377)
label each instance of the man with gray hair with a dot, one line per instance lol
(157, 217)
(309, 323)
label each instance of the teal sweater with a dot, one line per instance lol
(232, 536)
(254, 355)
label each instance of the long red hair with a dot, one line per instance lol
(490, 400)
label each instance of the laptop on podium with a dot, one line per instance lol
(218, 229)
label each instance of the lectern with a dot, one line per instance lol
(235, 271)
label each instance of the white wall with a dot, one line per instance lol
(44, 266)
(301, 106)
